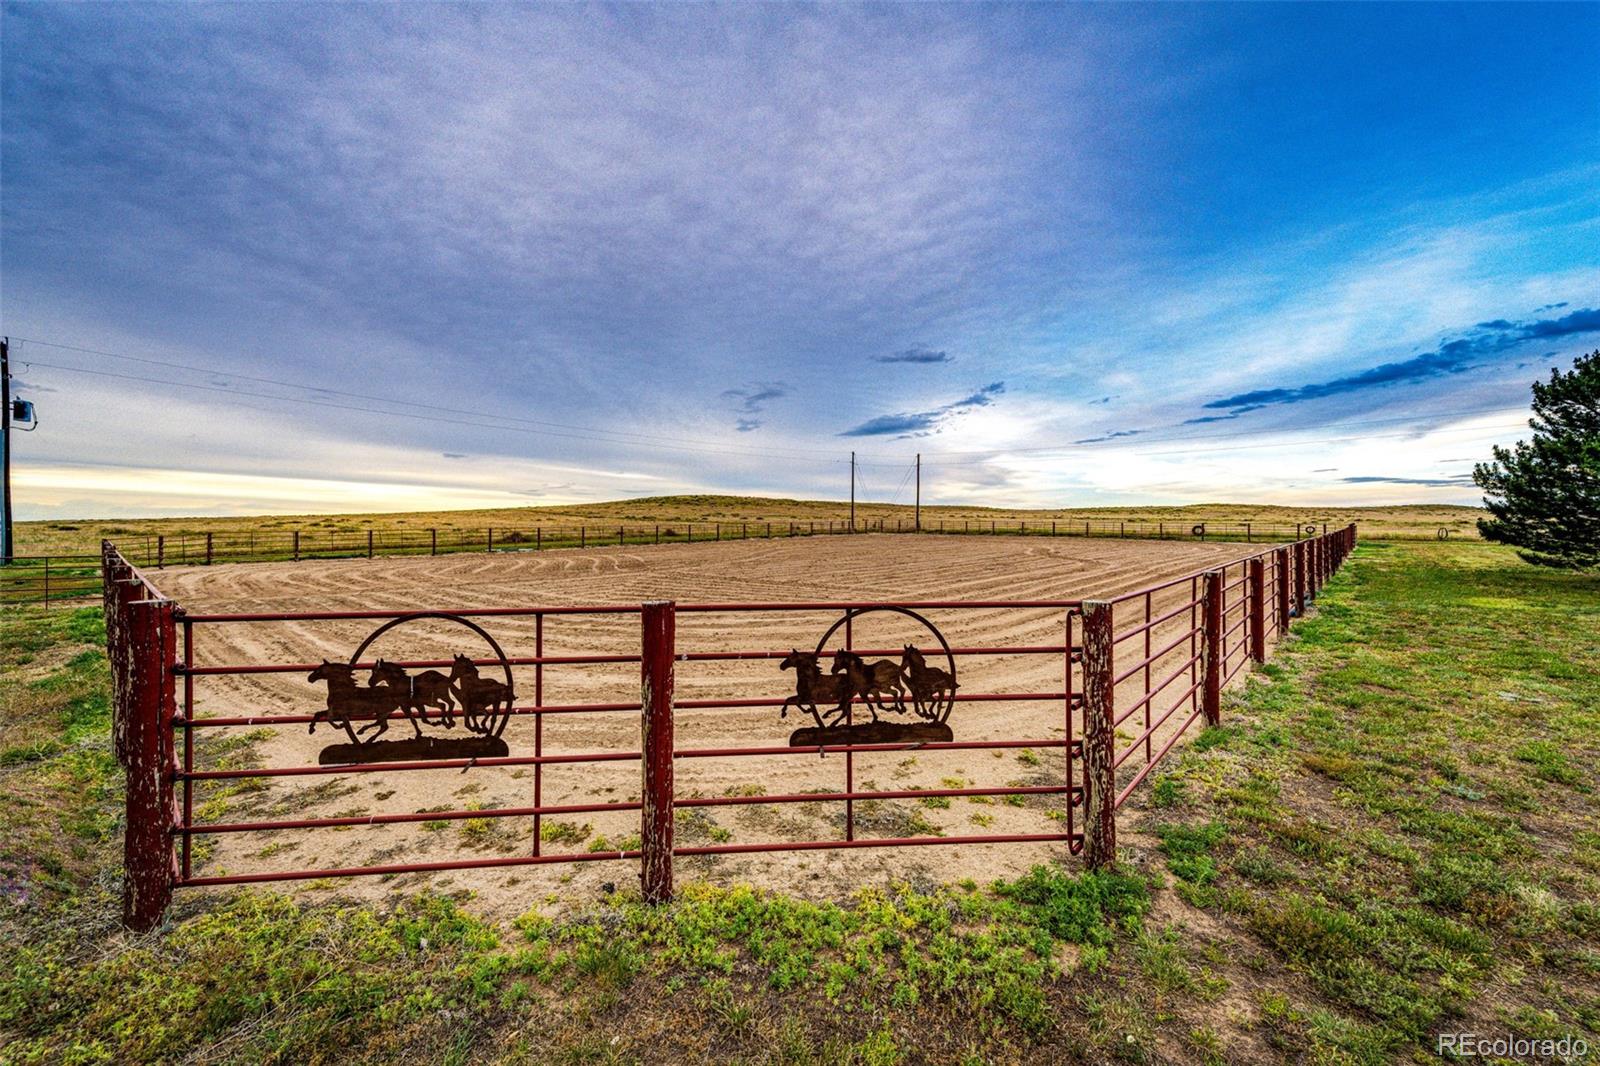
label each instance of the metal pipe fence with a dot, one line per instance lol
(1116, 685)
(63, 579)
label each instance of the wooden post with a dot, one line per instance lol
(148, 856)
(369, 544)
(1299, 578)
(1099, 738)
(488, 542)
(1211, 645)
(658, 532)
(433, 542)
(919, 494)
(1258, 609)
(1281, 573)
(655, 722)
(208, 547)
(622, 535)
(297, 545)
(583, 536)
(161, 551)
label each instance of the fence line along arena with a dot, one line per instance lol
(806, 714)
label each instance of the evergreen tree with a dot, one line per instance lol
(1545, 494)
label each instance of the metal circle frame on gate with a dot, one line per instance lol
(949, 702)
(505, 666)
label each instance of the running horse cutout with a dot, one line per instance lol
(905, 701)
(480, 705)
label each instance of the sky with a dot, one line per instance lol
(279, 258)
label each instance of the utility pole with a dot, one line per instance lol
(852, 492)
(5, 450)
(918, 522)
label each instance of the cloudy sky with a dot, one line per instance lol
(342, 257)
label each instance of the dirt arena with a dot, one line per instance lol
(833, 568)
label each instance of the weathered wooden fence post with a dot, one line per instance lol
(433, 542)
(151, 762)
(369, 544)
(1099, 738)
(1281, 572)
(655, 752)
(1300, 578)
(1258, 609)
(161, 551)
(1211, 645)
(208, 547)
(297, 545)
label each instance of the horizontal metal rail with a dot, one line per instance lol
(601, 856)
(1152, 623)
(1153, 693)
(467, 814)
(593, 708)
(627, 609)
(1154, 657)
(594, 659)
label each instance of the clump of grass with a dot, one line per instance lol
(627, 843)
(1167, 791)
(552, 831)
(1188, 850)
(1549, 762)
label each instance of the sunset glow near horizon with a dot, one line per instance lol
(287, 259)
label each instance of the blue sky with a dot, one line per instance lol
(1103, 254)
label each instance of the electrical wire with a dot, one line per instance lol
(658, 443)
(586, 432)
(540, 427)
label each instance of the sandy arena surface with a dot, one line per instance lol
(834, 568)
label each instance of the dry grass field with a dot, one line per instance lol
(71, 537)
(867, 567)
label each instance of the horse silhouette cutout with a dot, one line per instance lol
(348, 701)
(429, 689)
(813, 688)
(932, 690)
(481, 698)
(875, 684)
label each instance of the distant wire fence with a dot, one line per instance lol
(49, 580)
(61, 579)
(1113, 676)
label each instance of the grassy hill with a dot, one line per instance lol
(70, 537)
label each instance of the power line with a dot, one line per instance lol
(227, 391)
(607, 436)
(476, 419)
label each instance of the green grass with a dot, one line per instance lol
(1394, 832)
(1398, 814)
